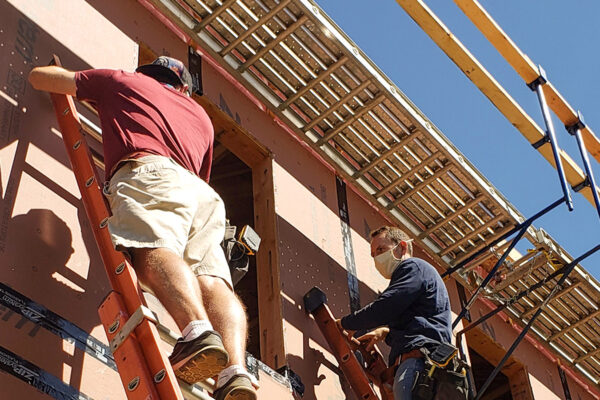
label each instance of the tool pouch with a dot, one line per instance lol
(444, 376)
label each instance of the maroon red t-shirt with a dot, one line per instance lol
(139, 114)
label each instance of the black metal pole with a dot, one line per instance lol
(575, 130)
(524, 226)
(510, 302)
(489, 276)
(537, 87)
(512, 348)
(507, 234)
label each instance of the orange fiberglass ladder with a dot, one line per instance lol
(362, 374)
(129, 324)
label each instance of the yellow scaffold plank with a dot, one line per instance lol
(486, 83)
(525, 68)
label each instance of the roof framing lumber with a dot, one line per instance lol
(491, 88)
(523, 65)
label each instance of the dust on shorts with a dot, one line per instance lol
(157, 203)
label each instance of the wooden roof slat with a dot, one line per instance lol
(363, 110)
(583, 357)
(457, 211)
(477, 231)
(271, 45)
(436, 174)
(262, 21)
(393, 148)
(311, 84)
(574, 325)
(334, 107)
(213, 16)
(404, 177)
(558, 294)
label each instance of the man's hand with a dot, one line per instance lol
(373, 337)
(348, 332)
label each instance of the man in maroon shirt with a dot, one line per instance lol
(158, 150)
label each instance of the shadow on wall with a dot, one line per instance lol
(37, 244)
(304, 265)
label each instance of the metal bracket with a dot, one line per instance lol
(134, 320)
(577, 125)
(542, 79)
(541, 142)
(581, 185)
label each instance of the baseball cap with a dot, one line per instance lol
(168, 70)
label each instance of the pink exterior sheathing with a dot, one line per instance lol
(62, 271)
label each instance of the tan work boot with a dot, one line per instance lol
(200, 358)
(239, 387)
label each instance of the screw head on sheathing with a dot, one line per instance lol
(135, 382)
(160, 375)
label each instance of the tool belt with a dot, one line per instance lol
(444, 376)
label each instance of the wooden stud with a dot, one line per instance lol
(520, 272)
(520, 385)
(239, 141)
(490, 254)
(270, 308)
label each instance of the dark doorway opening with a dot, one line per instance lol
(482, 369)
(232, 179)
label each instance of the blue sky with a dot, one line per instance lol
(562, 36)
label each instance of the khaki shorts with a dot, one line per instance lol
(157, 203)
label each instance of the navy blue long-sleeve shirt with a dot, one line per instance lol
(415, 306)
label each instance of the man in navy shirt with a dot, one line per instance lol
(413, 312)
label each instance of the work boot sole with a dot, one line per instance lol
(237, 388)
(200, 366)
(241, 394)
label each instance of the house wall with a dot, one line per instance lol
(47, 252)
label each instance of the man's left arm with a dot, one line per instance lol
(390, 304)
(53, 79)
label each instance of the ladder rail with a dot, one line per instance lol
(359, 377)
(145, 343)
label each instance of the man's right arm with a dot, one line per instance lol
(53, 79)
(390, 304)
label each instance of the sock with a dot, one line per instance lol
(195, 329)
(229, 372)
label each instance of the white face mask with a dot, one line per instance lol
(386, 263)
